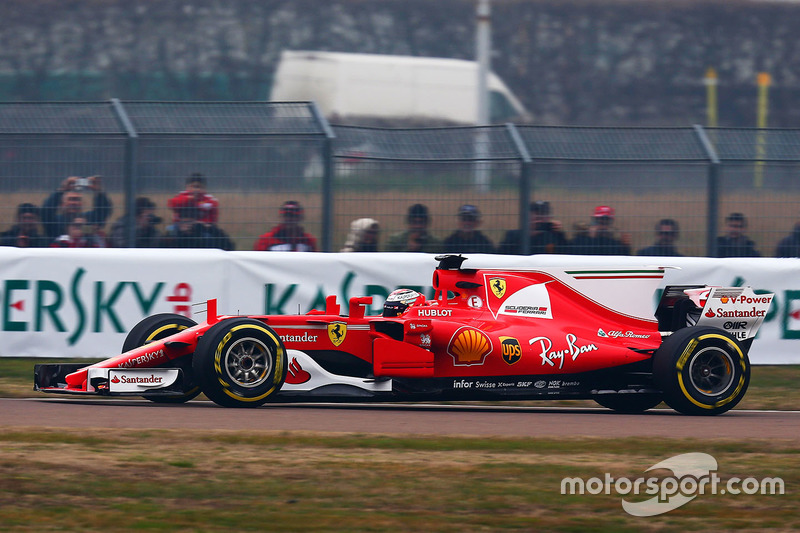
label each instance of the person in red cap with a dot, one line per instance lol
(601, 238)
(289, 235)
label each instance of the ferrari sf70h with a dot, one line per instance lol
(487, 334)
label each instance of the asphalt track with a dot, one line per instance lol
(396, 419)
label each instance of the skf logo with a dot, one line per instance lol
(498, 286)
(512, 351)
(337, 332)
(469, 347)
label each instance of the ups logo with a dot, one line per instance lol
(512, 351)
(498, 286)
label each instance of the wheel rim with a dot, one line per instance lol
(711, 371)
(248, 362)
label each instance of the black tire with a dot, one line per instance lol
(701, 371)
(629, 403)
(240, 362)
(157, 327)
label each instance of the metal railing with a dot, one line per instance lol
(256, 155)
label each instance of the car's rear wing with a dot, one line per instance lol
(738, 310)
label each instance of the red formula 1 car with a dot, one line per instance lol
(488, 334)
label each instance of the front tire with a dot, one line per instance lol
(157, 327)
(702, 371)
(240, 362)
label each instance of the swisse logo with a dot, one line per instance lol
(435, 312)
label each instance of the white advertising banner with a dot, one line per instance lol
(82, 302)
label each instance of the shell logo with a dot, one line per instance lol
(469, 347)
(724, 299)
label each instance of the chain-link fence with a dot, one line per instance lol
(534, 189)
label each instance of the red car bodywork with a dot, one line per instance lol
(487, 333)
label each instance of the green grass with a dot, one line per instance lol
(210, 480)
(245, 481)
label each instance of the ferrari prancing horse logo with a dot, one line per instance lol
(498, 286)
(337, 332)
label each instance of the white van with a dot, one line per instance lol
(387, 86)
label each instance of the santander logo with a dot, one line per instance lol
(710, 314)
(296, 375)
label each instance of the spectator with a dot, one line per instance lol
(468, 239)
(666, 235)
(25, 233)
(789, 246)
(735, 243)
(546, 235)
(601, 238)
(289, 235)
(66, 203)
(195, 196)
(189, 232)
(147, 234)
(80, 234)
(416, 238)
(363, 236)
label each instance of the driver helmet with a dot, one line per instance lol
(399, 300)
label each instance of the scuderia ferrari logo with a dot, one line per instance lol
(498, 286)
(337, 332)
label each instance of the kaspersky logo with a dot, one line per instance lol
(80, 307)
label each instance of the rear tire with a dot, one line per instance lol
(701, 370)
(629, 403)
(157, 327)
(240, 362)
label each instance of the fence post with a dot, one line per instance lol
(525, 177)
(130, 177)
(713, 190)
(326, 238)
